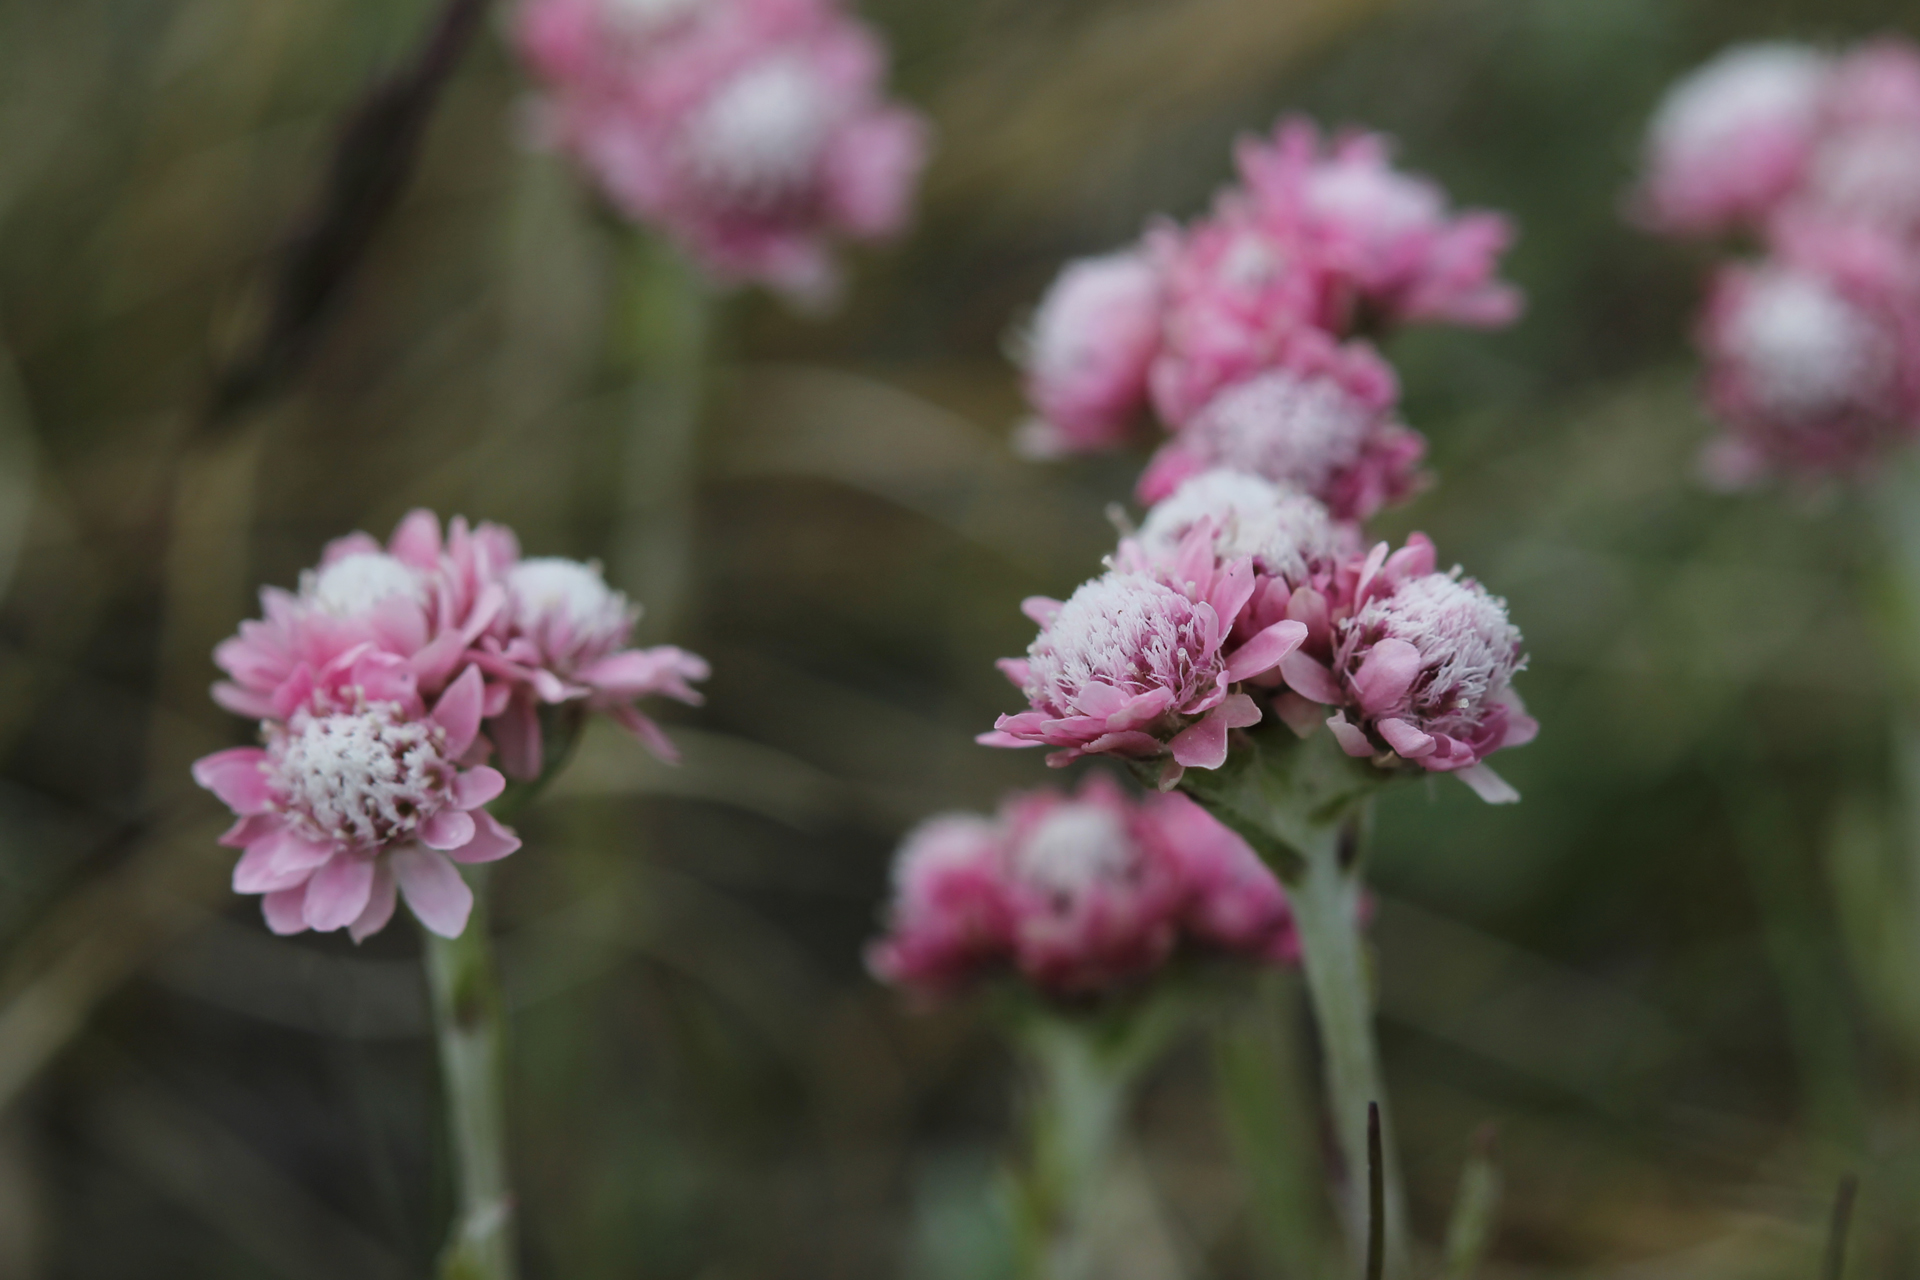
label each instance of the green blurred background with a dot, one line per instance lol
(1640, 972)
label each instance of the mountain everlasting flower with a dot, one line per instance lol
(1328, 431)
(1087, 352)
(372, 685)
(1419, 667)
(1805, 369)
(754, 132)
(1078, 895)
(1730, 141)
(1144, 665)
(1389, 249)
(360, 792)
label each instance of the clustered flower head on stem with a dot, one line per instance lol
(383, 686)
(753, 132)
(1080, 895)
(1245, 331)
(1813, 349)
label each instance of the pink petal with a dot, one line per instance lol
(1408, 742)
(1041, 609)
(1385, 676)
(458, 711)
(338, 892)
(286, 910)
(1232, 591)
(1128, 742)
(1240, 711)
(1264, 651)
(255, 872)
(1000, 738)
(1375, 558)
(1100, 700)
(417, 539)
(475, 787)
(650, 734)
(242, 702)
(285, 851)
(491, 841)
(1202, 745)
(1351, 739)
(447, 829)
(1297, 713)
(434, 890)
(1415, 560)
(517, 734)
(236, 777)
(1488, 785)
(1310, 680)
(1141, 709)
(252, 827)
(379, 905)
(1015, 670)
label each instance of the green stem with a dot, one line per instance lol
(469, 1025)
(1297, 802)
(1084, 1069)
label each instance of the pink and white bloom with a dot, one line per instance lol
(1390, 250)
(1811, 370)
(1087, 353)
(1329, 431)
(754, 132)
(361, 794)
(1865, 165)
(1135, 666)
(1077, 895)
(1419, 668)
(563, 637)
(1732, 140)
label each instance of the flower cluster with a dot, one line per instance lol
(383, 686)
(753, 132)
(1813, 349)
(1078, 894)
(1238, 596)
(1245, 332)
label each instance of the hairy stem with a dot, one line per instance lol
(468, 1023)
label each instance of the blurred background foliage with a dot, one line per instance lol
(1639, 972)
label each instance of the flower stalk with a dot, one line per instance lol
(1300, 804)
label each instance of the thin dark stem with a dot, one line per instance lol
(1836, 1260)
(373, 158)
(1376, 1197)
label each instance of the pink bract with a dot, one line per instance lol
(1388, 247)
(1327, 429)
(361, 795)
(1730, 141)
(754, 132)
(1079, 895)
(1133, 666)
(1087, 353)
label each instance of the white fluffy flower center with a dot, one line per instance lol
(644, 17)
(1804, 349)
(761, 134)
(1074, 848)
(549, 589)
(1125, 630)
(1469, 649)
(363, 778)
(1752, 87)
(1292, 430)
(1372, 199)
(1285, 532)
(354, 584)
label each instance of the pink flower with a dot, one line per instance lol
(1421, 667)
(361, 792)
(563, 637)
(1812, 358)
(1731, 141)
(1390, 249)
(1329, 431)
(752, 131)
(1865, 166)
(1243, 291)
(1136, 667)
(1087, 355)
(1289, 537)
(1078, 895)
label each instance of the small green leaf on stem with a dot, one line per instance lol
(1476, 1207)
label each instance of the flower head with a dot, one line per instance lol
(752, 131)
(1390, 250)
(1087, 353)
(360, 793)
(1731, 140)
(1331, 433)
(1287, 535)
(1133, 666)
(1079, 895)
